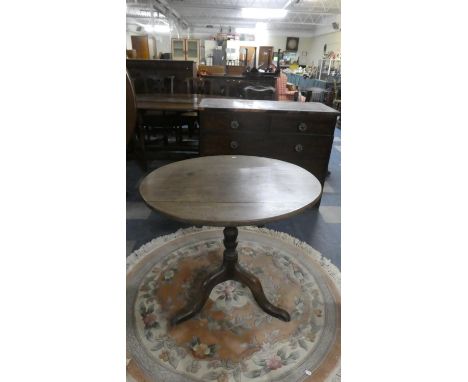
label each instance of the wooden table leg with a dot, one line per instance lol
(229, 270)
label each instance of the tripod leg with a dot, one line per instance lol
(253, 283)
(201, 297)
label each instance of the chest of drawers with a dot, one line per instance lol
(299, 133)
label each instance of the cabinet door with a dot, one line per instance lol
(140, 45)
(265, 55)
(193, 50)
(178, 49)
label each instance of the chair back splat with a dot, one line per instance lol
(260, 92)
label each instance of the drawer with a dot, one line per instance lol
(278, 146)
(232, 142)
(248, 122)
(303, 124)
(299, 147)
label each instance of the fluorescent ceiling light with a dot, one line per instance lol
(259, 28)
(159, 28)
(263, 13)
(162, 28)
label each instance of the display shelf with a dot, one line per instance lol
(329, 67)
(186, 49)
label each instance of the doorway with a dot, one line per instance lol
(242, 55)
(140, 44)
(265, 56)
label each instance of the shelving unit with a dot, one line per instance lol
(192, 50)
(186, 49)
(328, 66)
(178, 49)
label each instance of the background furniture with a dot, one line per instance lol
(302, 83)
(131, 108)
(197, 85)
(135, 142)
(246, 55)
(314, 94)
(173, 74)
(140, 45)
(229, 191)
(235, 70)
(260, 92)
(296, 132)
(233, 85)
(211, 69)
(283, 91)
(337, 95)
(169, 125)
(185, 49)
(131, 53)
(329, 67)
(265, 55)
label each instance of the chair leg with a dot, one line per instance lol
(141, 153)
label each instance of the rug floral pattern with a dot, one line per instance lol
(231, 339)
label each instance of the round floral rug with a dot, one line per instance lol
(232, 339)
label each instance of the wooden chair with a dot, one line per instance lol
(315, 95)
(144, 84)
(337, 96)
(283, 93)
(260, 92)
(197, 85)
(234, 88)
(235, 70)
(132, 123)
(131, 113)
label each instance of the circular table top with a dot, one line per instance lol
(230, 190)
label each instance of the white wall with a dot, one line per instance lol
(313, 46)
(333, 41)
(279, 42)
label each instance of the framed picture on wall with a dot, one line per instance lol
(292, 43)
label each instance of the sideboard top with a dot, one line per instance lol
(260, 105)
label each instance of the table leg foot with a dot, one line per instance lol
(200, 298)
(253, 283)
(229, 270)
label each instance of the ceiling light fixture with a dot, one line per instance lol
(263, 13)
(162, 28)
(159, 28)
(259, 28)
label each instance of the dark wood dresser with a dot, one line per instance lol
(140, 70)
(296, 132)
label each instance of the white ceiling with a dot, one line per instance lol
(195, 15)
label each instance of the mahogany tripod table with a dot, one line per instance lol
(230, 191)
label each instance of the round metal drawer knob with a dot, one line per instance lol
(234, 145)
(298, 148)
(302, 127)
(234, 124)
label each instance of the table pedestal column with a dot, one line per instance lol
(229, 270)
